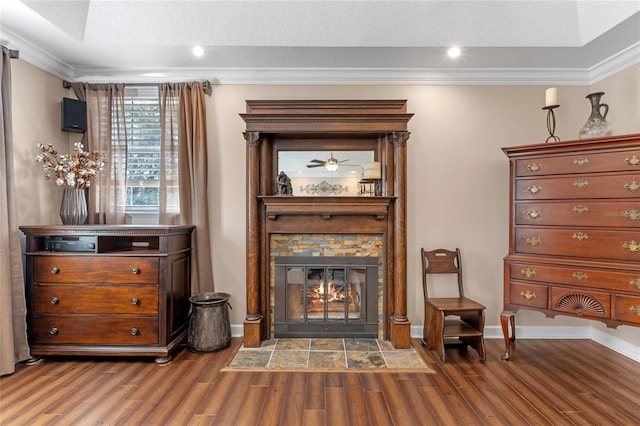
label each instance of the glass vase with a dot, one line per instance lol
(597, 125)
(73, 209)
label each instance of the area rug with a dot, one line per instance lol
(351, 355)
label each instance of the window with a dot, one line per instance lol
(142, 123)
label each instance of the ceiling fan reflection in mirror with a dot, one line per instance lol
(330, 164)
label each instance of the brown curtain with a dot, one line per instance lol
(13, 311)
(106, 133)
(183, 179)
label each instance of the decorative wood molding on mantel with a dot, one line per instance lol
(326, 207)
(330, 125)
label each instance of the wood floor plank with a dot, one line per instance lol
(553, 382)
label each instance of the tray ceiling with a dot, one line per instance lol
(572, 41)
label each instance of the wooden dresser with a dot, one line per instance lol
(119, 290)
(574, 239)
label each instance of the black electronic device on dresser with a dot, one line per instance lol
(119, 290)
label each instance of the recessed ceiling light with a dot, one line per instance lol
(453, 52)
(197, 51)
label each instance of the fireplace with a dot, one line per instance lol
(272, 127)
(326, 296)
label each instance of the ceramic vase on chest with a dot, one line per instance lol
(73, 209)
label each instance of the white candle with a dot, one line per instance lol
(372, 170)
(551, 96)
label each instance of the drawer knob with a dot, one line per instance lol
(54, 300)
(581, 161)
(632, 246)
(134, 331)
(632, 214)
(580, 236)
(533, 214)
(581, 209)
(534, 167)
(134, 301)
(633, 161)
(581, 183)
(635, 284)
(579, 275)
(55, 270)
(534, 189)
(134, 271)
(534, 241)
(529, 273)
(632, 186)
(53, 331)
(529, 295)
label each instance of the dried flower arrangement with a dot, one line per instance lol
(71, 171)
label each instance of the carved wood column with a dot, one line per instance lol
(253, 320)
(400, 325)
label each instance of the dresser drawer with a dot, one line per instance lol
(527, 294)
(579, 186)
(95, 269)
(579, 213)
(95, 299)
(89, 330)
(577, 277)
(627, 308)
(587, 243)
(581, 303)
(579, 163)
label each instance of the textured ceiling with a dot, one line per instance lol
(325, 41)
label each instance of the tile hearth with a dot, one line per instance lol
(350, 353)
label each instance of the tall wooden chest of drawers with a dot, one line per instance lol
(119, 290)
(574, 239)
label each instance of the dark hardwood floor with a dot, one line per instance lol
(554, 382)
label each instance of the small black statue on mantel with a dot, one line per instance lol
(284, 184)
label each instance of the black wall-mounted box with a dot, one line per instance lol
(74, 115)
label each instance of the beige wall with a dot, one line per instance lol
(457, 173)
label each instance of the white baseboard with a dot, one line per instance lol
(534, 332)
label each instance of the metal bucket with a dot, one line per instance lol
(209, 323)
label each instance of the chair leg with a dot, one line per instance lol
(436, 334)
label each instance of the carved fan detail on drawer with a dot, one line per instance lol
(580, 303)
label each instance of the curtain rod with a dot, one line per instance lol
(206, 85)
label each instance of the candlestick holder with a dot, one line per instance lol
(551, 123)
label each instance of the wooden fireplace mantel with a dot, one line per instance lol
(378, 125)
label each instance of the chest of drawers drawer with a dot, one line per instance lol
(94, 330)
(95, 299)
(579, 213)
(603, 186)
(589, 243)
(577, 277)
(627, 308)
(528, 294)
(581, 302)
(584, 162)
(95, 269)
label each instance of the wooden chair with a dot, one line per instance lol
(450, 317)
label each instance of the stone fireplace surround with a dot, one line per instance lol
(378, 125)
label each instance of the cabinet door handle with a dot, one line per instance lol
(581, 209)
(534, 214)
(534, 241)
(579, 275)
(580, 236)
(635, 283)
(54, 300)
(632, 214)
(529, 273)
(635, 310)
(534, 189)
(134, 301)
(55, 270)
(53, 331)
(134, 331)
(581, 161)
(134, 271)
(581, 183)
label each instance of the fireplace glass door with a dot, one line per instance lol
(325, 299)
